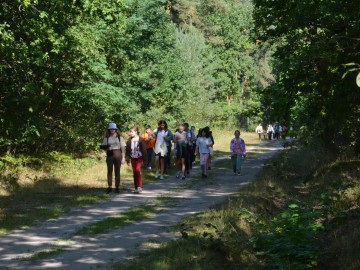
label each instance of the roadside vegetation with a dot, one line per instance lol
(41, 188)
(301, 212)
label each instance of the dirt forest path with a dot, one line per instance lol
(99, 251)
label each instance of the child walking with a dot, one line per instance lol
(137, 155)
(160, 149)
(237, 151)
(149, 143)
(181, 141)
(203, 143)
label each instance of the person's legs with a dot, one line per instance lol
(149, 152)
(157, 165)
(136, 166)
(209, 162)
(182, 161)
(162, 165)
(109, 164)
(168, 157)
(233, 160)
(189, 150)
(117, 166)
(187, 160)
(238, 163)
(193, 154)
(204, 158)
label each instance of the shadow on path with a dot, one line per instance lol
(101, 250)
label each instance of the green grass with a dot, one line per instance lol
(43, 254)
(128, 217)
(35, 189)
(301, 212)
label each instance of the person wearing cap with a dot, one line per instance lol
(115, 155)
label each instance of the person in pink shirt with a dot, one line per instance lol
(237, 151)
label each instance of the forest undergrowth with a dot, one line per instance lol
(301, 212)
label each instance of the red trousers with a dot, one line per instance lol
(136, 164)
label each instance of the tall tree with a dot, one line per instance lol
(315, 40)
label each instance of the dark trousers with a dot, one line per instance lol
(149, 152)
(113, 164)
(192, 154)
(168, 157)
(188, 163)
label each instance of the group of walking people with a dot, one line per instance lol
(273, 131)
(139, 150)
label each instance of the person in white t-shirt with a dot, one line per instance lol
(160, 148)
(202, 148)
(259, 130)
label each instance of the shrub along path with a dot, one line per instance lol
(55, 239)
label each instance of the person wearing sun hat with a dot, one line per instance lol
(115, 155)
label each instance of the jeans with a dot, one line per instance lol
(237, 160)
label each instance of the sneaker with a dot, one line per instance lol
(234, 173)
(178, 174)
(138, 190)
(117, 190)
(108, 190)
(157, 175)
(239, 173)
(183, 177)
(161, 177)
(194, 163)
(149, 168)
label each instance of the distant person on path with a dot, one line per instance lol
(203, 144)
(136, 154)
(237, 151)
(259, 130)
(181, 141)
(149, 143)
(270, 131)
(209, 132)
(277, 131)
(114, 145)
(160, 149)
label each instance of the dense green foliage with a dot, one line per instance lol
(316, 44)
(69, 67)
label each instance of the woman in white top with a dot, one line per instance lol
(115, 155)
(203, 144)
(160, 148)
